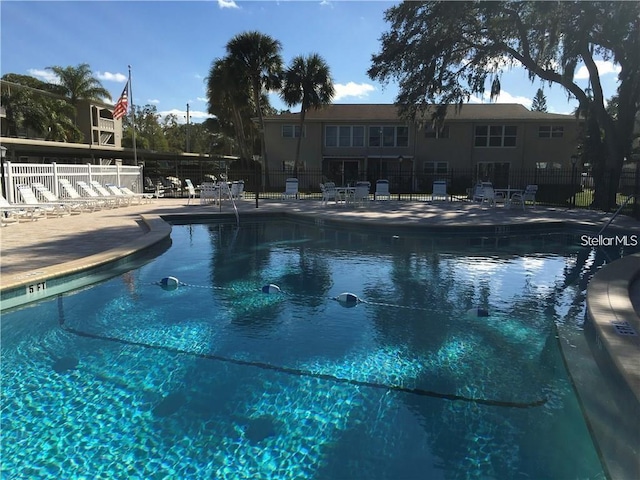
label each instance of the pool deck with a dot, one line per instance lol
(47, 248)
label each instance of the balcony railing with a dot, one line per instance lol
(106, 124)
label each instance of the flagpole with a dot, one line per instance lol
(133, 119)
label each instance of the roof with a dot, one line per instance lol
(371, 112)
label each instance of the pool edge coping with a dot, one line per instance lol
(157, 230)
(608, 301)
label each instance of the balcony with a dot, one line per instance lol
(106, 124)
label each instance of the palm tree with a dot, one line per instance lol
(307, 82)
(230, 101)
(78, 83)
(38, 108)
(258, 56)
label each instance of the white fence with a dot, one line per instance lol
(15, 174)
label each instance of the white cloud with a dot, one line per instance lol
(604, 68)
(153, 100)
(227, 4)
(111, 77)
(201, 99)
(352, 89)
(46, 75)
(504, 97)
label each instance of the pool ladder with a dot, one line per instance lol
(624, 204)
(235, 208)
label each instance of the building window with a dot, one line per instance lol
(331, 136)
(546, 131)
(292, 131)
(430, 132)
(402, 136)
(495, 136)
(433, 168)
(344, 136)
(392, 136)
(358, 136)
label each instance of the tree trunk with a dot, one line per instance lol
(265, 161)
(297, 158)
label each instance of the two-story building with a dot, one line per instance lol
(355, 141)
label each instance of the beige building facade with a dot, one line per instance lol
(358, 141)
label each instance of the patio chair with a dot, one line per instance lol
(109, 200)
(237, 189)
(119, 192)
(491, 197)
(291, 189)
(191, 190)
(121, 199)
(72, 194)
(73, 206)
(478, 191)
(105, 192)
(29, 198)
(439, 190)
(528, 195)
(329, 192)
(14, 213)
(209, 193)
(144, 197)
(361, 193)
(382, 190)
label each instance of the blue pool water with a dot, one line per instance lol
(216, 379)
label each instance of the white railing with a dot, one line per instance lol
(106, 124)
(27, 173)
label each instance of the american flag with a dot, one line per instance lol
(122, 104)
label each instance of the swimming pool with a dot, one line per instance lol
(216, 379)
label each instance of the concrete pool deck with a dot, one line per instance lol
(47, 248)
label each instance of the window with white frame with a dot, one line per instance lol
(391, 136)
(431, 132)
(344, 136)
(548, 131)
(495, 135)
(433, 168)
(292, 131)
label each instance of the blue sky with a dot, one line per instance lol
(170, 46)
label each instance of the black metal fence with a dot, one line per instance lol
(556, 187)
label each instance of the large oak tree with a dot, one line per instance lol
(445, 52)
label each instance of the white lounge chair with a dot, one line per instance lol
(110, 200)
(528, 195)
(439, 190)
(14, 213)
(122, 199)
(119, 192)
(72, 194)
(29, 198)
(382, 190)
(291, 189)
(73, 206)
(143, 197)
